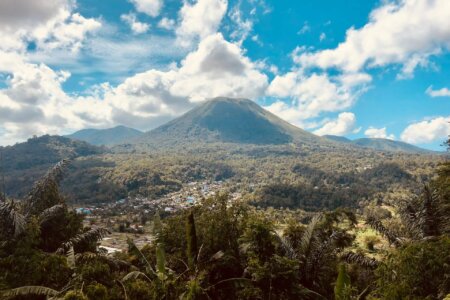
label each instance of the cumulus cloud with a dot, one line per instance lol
(379, 133)
(149, 7)
(53, 26)
(136, 26)
(29, 13)
(68, 32)
(242, 27)
(199, 20)
(344, 124)
(443, 92)
(166, 23)
(314, 94)
(35, 99)
(34, 103)
(437, 129)
(405, 32)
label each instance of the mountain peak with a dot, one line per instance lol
(227, 120)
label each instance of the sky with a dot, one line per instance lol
(350, 68)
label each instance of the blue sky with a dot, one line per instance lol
(350, 68)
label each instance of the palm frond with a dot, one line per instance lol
(30, 291)
(378, 226)
(51, 212)
(93, 235)
(134, 275)
(411, 219)
(359, 259)
(70, 256)
(13, 219)
(38, 198)
(430, 217)
(112, 262)
(287, 246)
(307, 236)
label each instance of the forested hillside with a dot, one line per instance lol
(230, 250)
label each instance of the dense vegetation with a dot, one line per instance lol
(223, 250)
(330, 191)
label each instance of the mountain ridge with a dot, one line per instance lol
(380, 144)
(106, 137)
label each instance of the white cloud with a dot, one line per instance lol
(405, 32)
(444, 92)
(68, 32)
(322, 36)
(317, 93)
(305, 28)
(243, 27)
(215, 68)
(54, 26)
(29, 13)
(344, 124)
(149, 7)
(437, 129)
(136, 26)
(35, 103)
(199, 20)
(379, 133)
(166, 23)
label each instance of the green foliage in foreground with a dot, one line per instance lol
(223, 250)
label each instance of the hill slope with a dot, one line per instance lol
(24, 163)
(341, 139)
(107, 137)
(388, 145)
(379, 144)
(226, 120)
(44, 150)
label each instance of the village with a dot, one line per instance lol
(129, 218)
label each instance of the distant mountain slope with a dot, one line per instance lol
(227, 120)
(379, 144)
(44, 150)
(337, 138)
(388, 145)
(107, 137)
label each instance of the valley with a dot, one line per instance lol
(264, 198)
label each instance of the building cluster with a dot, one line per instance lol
(127, 218)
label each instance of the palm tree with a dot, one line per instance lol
(45, 205)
